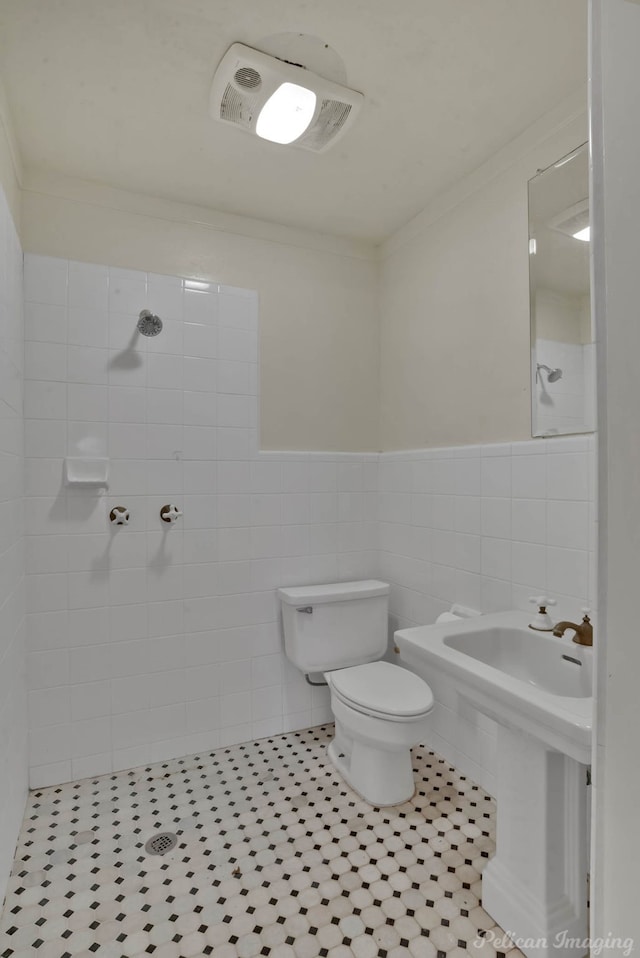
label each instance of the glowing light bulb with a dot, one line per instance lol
(286, 114)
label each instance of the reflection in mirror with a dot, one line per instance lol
(562, 341)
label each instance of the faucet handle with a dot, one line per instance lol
(542, 601)
(542, 621)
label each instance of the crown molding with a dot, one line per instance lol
(91, 193)
(571, 111)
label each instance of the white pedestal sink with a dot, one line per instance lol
(538, 689)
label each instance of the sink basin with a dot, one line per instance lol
(547, 664)
(527, 680)
(538, 689)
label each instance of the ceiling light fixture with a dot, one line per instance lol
(281, 101)
(286, 114)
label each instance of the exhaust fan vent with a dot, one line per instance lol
(247, 78)
(236, 107)
(332, 117)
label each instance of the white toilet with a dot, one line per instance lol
(380, 709)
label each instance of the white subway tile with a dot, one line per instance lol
(235, 708)
(233, 443)
(568, 524)
(128, 404)
(200, 307)
(496, 476)
(45, 323)
(164, 296)
(90, 736)
(46, 400)
(529, 565)
(233, 377)
(201, 342)
(87, 326)
(49, 706)
(86, 402)
(45, 280)
(529, 520)
(200, 409)
(90, 700)
(496, 558)
(496, 517)
(44, 439)
(200, 374)
(171, 341)
(237, 311)
(529, 476)
(86, 364)
(165, 371)
(127, 291)
(88, 439)
(50, 744)
(200, 477)
(568, 476)
(238, 345)
(88, 285)
(568, 572)
(45, 361)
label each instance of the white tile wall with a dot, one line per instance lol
(148, 642)
(13, 701)
(487, 527)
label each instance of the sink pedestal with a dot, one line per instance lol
(536, 884)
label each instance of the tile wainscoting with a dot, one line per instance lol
(487, 527)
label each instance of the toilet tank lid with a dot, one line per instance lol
(333, 592)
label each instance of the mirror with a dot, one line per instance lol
(562, 340)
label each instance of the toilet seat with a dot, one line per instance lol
(382, 690)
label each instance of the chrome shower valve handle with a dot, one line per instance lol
(170, 514)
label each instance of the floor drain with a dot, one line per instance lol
(161, 844)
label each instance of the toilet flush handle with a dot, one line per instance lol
(307, 609)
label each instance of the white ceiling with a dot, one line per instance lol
(117, 91)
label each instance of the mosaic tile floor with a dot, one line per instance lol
(276, 856)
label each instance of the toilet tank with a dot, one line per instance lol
(335, 626)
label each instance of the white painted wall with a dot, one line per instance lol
(13, 702)
(11, 172)
(318, 297)
(454, 299)
(615, 94)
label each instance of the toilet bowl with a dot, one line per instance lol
(381, 710)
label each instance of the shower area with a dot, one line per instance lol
(156, 535)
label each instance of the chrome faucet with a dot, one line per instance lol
(583, 632)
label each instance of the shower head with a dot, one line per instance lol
(149, 324)
(553, 375)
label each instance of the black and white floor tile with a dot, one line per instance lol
(275, 856)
